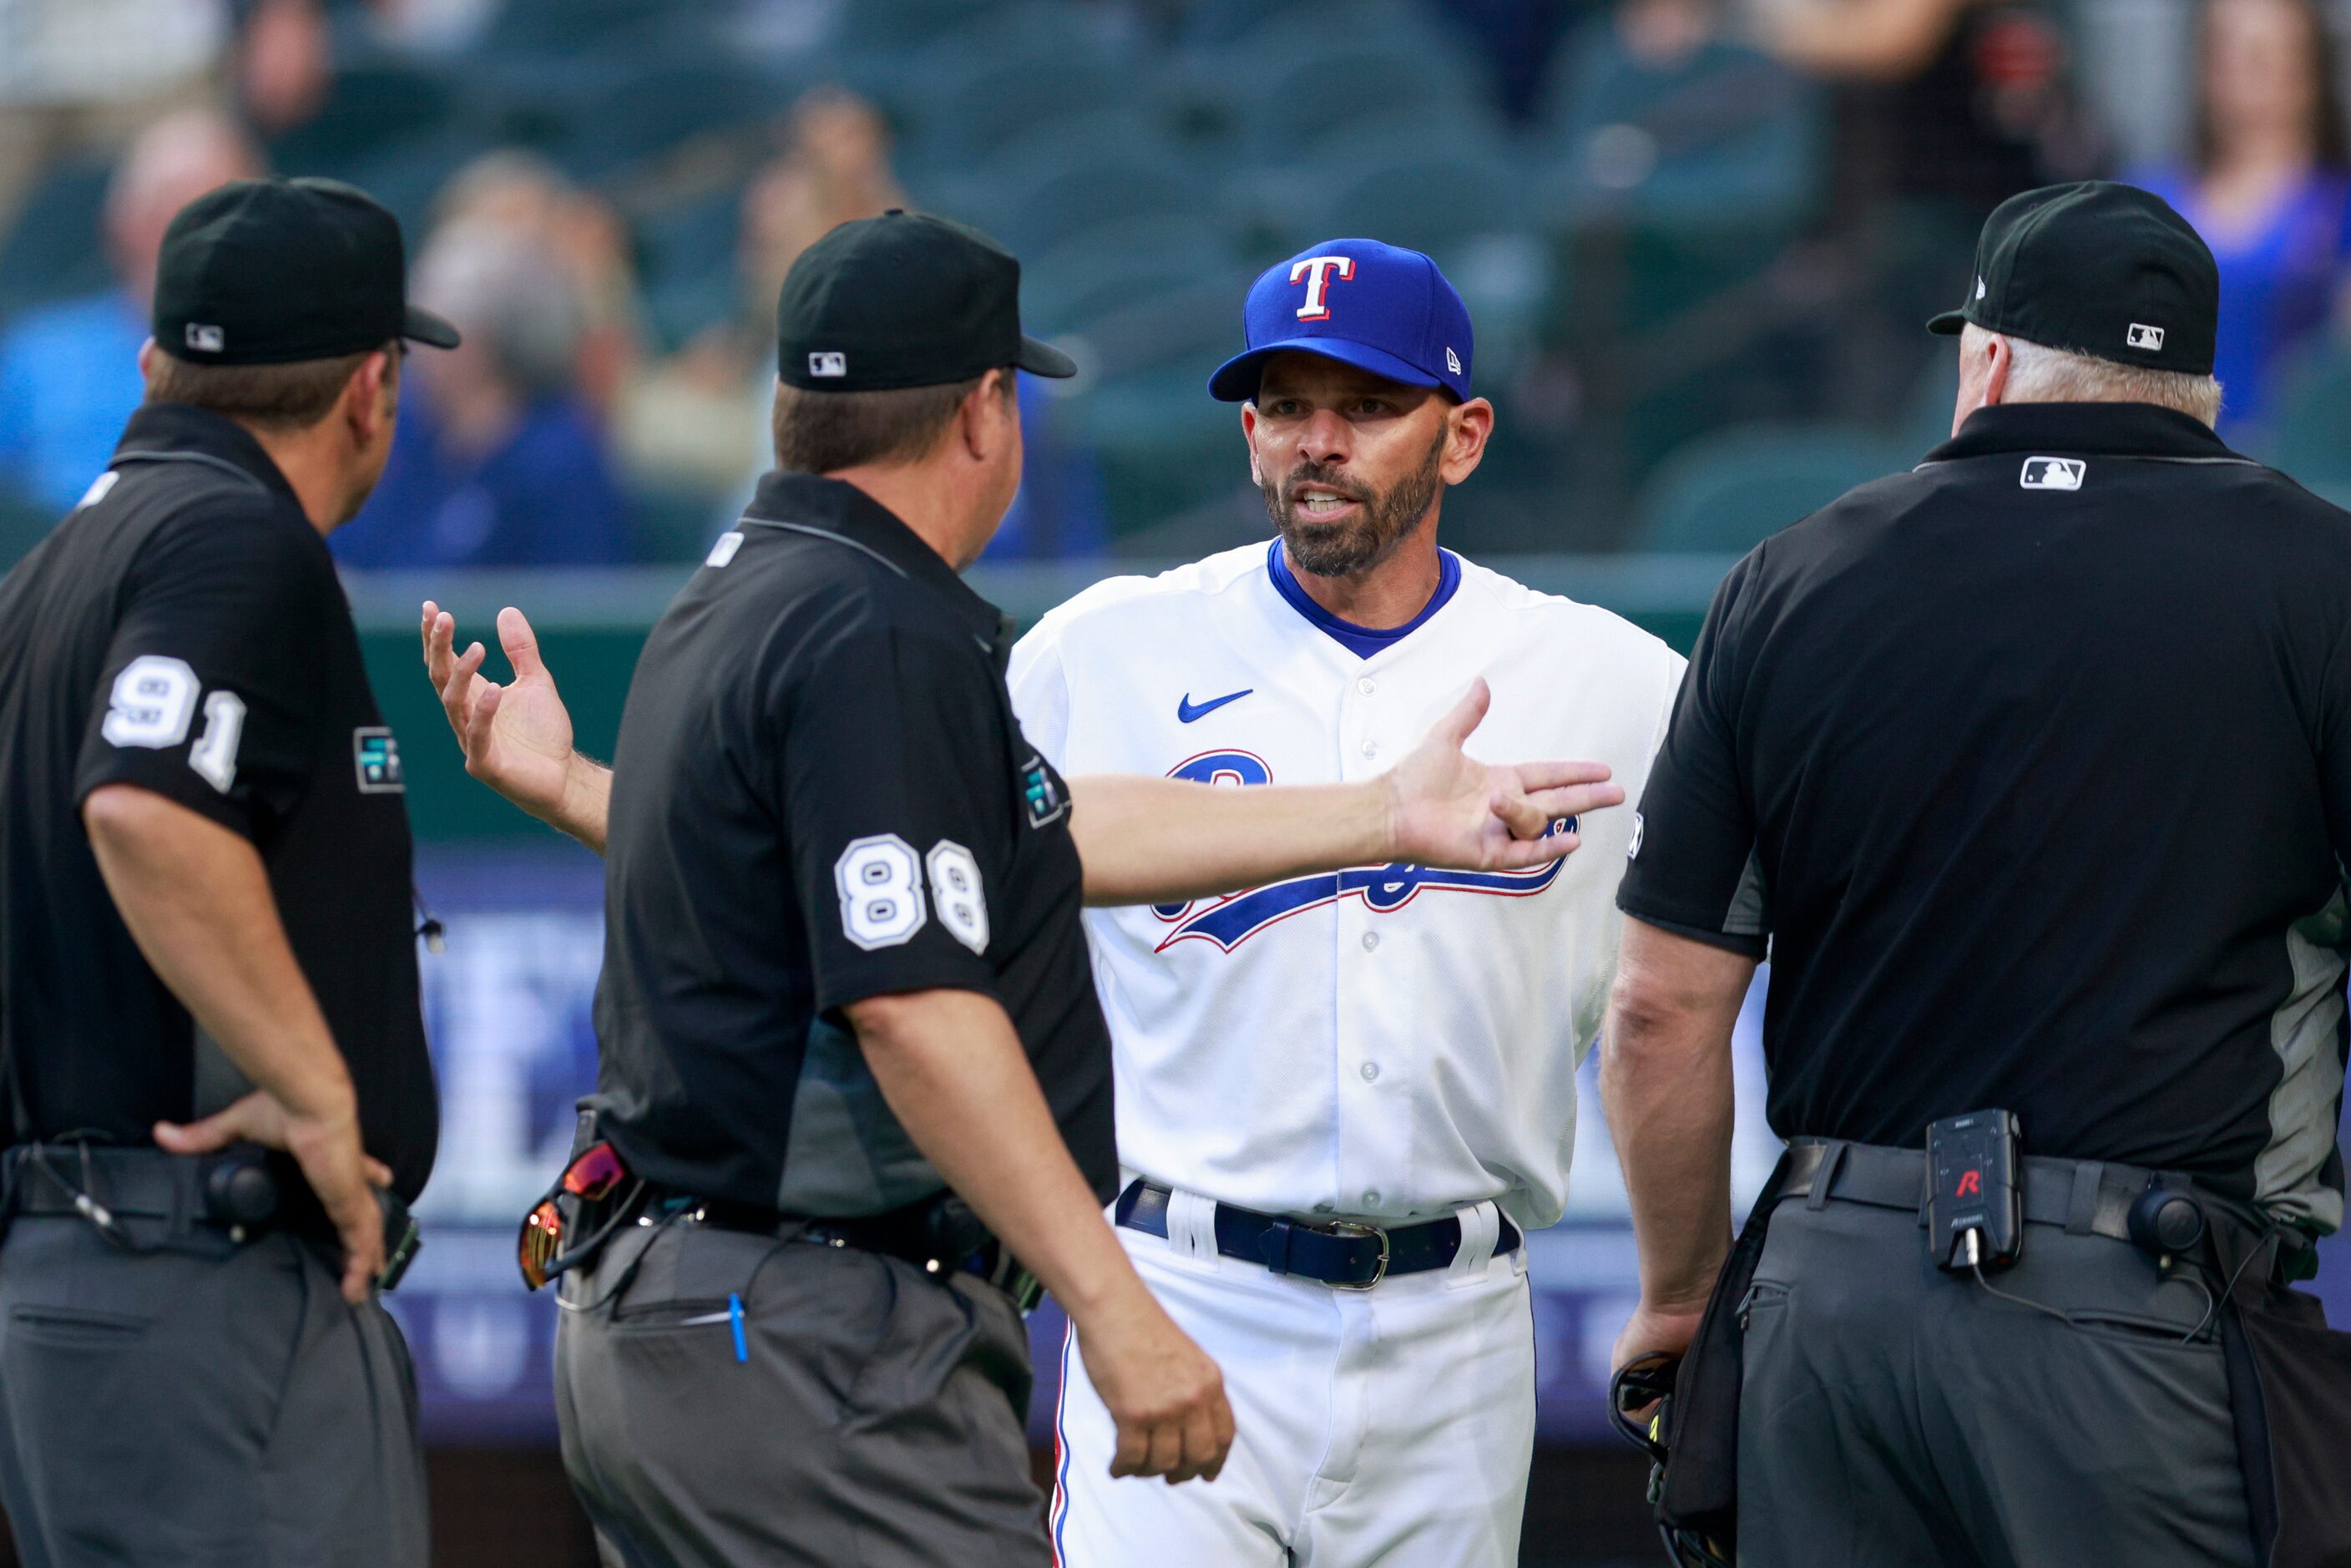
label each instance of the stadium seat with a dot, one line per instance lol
(656, 106)
(1429, 203)
(1729, 136)
(2311, 438)
(1007, 100)
(23, 525)
(1112, 267)
(1047, 204)
(57, 248)
(366, 108)
(1318, 100)
(1197, 323)
(900, 26)
(1163, 445)
(1727, 492)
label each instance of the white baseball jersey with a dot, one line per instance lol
(1387, 1042)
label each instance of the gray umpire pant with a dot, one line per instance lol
(228, 1409)
(870, 1415)
(1892, 1414)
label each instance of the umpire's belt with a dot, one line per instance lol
(2088, 1197)
(1340, 1253)
(101, 1183)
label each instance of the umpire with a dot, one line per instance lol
(2033, 768)
(206, 941)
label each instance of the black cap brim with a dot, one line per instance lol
(1948, 324)
(1044, 359)
(421, 326)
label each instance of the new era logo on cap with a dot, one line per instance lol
(1452, 362)
(2052, 473)
(206, 340)
(2146, 337)
(824, 364)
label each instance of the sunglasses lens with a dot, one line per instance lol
(595, 1173)
(540, 1240)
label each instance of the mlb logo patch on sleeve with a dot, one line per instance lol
(2053, 472)
(377, 755)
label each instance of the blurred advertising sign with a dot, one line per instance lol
(509, 1008)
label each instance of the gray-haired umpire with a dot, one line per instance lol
(211, 1056)
(2033, 768)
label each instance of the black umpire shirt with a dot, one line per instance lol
(184, 630)
(2034, 766)
(820, 794)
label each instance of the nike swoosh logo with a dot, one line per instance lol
(1186, 710)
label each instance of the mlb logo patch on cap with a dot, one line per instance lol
(828, 365)
(2143, 336)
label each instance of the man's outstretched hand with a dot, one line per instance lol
(1446, 809)
(517, 739)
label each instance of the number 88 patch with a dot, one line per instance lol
(881, 885)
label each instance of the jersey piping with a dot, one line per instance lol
(1361, 640)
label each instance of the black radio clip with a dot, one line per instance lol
(1975, 1194)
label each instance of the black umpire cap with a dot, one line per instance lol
(268, 272)
(2097, 268)
(905, 299)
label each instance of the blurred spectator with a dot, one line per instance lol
(524, 194)
(1518, 39)
(1961, 103)
(2265, 184)
(80, 77)
(498, 460)
(69, 372)
(1062, 510)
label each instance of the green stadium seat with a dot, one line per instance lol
(1727, 492)
(23, 525)
(1110, 268)
(1320, 101)
(1005, 102)
(1083, 189)
(1191, 324)
(901, 27)
(1163, 445)
(659, 105)
(2311, 438)
(367, 108)
(1729, 137)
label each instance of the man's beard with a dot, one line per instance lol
(1346, 549)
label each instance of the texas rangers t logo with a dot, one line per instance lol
(1317, 271)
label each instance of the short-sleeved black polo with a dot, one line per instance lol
(2033, 767)
(184, 630)
(820, 794)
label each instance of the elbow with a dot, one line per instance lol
(1641, 1016)
(117, 815)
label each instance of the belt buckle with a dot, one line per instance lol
(1351, 1228)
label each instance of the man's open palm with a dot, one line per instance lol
(517, 737)
(1452, 810)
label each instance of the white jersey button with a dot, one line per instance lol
(1367, 685)
(1370, 1072)
(1371, 748)
(1372, 1198)
(1371, 940)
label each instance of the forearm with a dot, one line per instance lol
(1665, 1085)
(197, 900)
(1863, 40)
(953, 1071)
(586, 802)
(1164, 841)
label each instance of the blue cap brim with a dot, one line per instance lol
(1236, 380)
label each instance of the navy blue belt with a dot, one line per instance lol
(1340, 1253)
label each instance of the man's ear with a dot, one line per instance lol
(986, 408)
(1999, 358)
(1249, 435)
(147, 352)
(371, 398)
(1467, 431)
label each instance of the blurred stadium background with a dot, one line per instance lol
(1697, 238)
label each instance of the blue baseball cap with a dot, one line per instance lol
(1379, 307)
